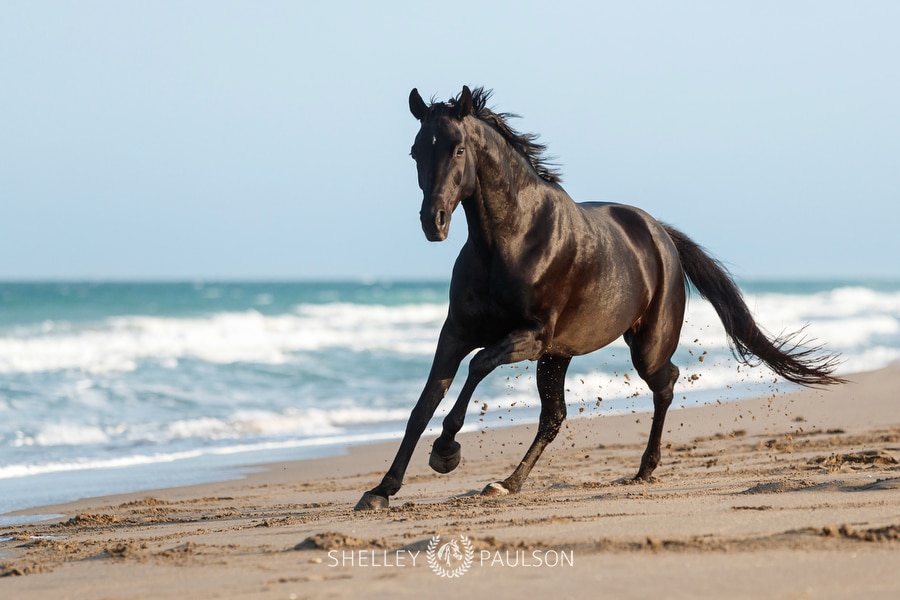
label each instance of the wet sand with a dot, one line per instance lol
(790, 496)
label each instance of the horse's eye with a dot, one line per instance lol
(460, 151)
(413, 155)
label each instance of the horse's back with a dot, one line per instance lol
(632, 218)
(629, 273)
(618, 223)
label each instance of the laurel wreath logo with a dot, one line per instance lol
(441, 557)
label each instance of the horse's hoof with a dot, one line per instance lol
(371, 501)
(445, 461)
(643, 479)
(495, 489)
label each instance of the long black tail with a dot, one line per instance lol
(784, 354)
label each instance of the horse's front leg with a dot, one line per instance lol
(447, 357)
(517, 346)
(551, 383)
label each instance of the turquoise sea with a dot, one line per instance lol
(114, 387)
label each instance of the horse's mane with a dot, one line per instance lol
(524, 143)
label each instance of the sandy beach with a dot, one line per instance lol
(789, 496)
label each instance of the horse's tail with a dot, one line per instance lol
(782, 354)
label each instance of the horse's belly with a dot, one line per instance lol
(583, 342)
(593, 325)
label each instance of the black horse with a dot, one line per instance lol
(542, 278)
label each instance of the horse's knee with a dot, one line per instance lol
(674, 372)
(663, 380)
(480, 366)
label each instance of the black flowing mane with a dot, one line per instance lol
(525, 143)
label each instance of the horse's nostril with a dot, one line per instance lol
(441, 219)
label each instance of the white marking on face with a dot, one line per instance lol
(433, 140)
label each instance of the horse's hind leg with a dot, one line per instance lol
(551, 378)
(652, 347)
(651, 356)
(662, 384)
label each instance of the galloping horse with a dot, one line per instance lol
(542, 278)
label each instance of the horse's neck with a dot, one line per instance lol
(503, 208)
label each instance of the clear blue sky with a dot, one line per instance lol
(270, 139)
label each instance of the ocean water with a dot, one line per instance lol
(114, 387)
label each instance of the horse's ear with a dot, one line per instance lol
(464, 104)
(417, 106)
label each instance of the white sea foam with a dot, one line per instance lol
(307, 422)
(122, 342)
(870, 359)
(62, 434)
(833, 304)
(846, 319)
(241, 424)
(81, 464)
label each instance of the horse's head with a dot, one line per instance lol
(445, 165)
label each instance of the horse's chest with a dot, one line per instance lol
(488, 312)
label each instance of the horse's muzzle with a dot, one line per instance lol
(436, 226)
